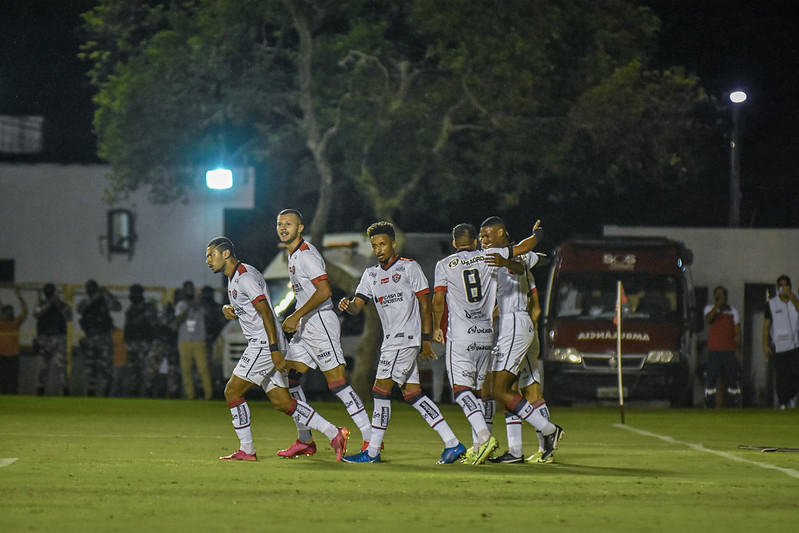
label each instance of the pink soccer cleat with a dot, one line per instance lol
(339, 443)
(240, 455)
(298, 448)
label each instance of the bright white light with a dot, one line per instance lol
(220, 178)
(737, 97)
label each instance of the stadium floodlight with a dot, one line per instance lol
(220, 178)
(738, 97)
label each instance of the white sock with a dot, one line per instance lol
(356, 410)
(543, 411)
(380, 417)
(489, 409)
(513, 425)
(473, 409)
(532, 416)
(432, 415)
(240, 412)
(307, 416)
(303, 432)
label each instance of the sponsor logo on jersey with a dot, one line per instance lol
(456, 261)
(384, 281)
(476, 330)
(396, 277)
(390, 298)
(473, 347)
(372, 274)
(474, 315)
(399, 336)
(610, 335)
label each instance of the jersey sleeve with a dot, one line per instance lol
(364, 288)
(313, 266)
(440, 277)
(419, 283)
(250, 286)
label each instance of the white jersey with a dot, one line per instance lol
(306, 269)
(513, 289)
(245, 288)
(471, 288)
(394, 290)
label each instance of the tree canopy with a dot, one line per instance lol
(399, 110)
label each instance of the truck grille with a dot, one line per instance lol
(633, 362)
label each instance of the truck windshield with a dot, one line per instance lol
(592, 296)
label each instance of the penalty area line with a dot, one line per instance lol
(5, 461)
(698, 447)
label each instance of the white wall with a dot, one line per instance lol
(53, 221)
(731, 257)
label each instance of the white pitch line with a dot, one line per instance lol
(7, 461)
(83, 436)
(698, 447)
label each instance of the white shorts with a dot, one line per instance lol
(528, 374)
(515, 335)
(467, 363)
(399, 365)
(317, 343)
(256, 366)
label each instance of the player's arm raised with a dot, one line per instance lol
(527, 244)
(271, 333)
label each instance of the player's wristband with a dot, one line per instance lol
(425, 337)
(274, 348)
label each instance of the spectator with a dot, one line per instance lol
(141, 321)
(214, 322)
(161, 364)
(52, 315)
(190, 315)
(781, 324)
(723, 343)
(9, 345)
(96, 346)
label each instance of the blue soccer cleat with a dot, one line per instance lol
(361, 457)
(450, 455)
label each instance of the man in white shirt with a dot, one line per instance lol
(781, 325)
(262, 362)
(401, 294)
(466, 283)
(317, 332)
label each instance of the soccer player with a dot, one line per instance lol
(467, 284)
(401, 294)
(511, 359)
(262, 362)
(316, 342)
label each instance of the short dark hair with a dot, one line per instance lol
(381, 228)
(464, 234)
(723, 290)
(292, 212)
(784, 277)
(222, 244)
(493, 221)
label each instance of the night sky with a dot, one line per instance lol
(729, 44)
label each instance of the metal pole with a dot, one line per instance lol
(735, 173)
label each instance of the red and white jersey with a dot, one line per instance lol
(513, 290)
(306, 269)
(721, 332)
(245, 288)
(471, 288)
(394, 291)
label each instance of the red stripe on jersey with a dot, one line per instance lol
(301, 246)
(240, 268)
(440, 288)
(534, 290)
(323, 277)
(259, 298)
(423, 292)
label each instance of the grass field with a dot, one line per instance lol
(151, 465)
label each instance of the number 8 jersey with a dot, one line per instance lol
(471, 288)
